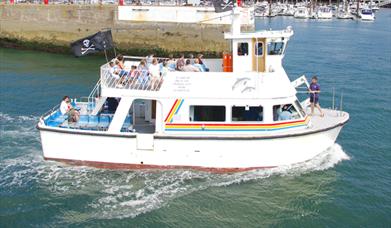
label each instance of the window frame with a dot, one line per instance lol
(282, 48)
(282, 105)
(239, 45)
(248, 121)
(256, 48)
(192, 113)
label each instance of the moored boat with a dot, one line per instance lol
(324, 12)
(302, 13)
(367, 14)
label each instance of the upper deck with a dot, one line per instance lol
(252, 69)
(213, 84)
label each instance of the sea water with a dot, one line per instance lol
(347, 185)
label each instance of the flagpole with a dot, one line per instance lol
(107, 60)
(115, 53)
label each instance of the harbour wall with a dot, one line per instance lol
(53, 27)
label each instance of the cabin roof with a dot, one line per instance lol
(286, 33)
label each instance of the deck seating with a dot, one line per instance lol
(56, 119)
(87, 122)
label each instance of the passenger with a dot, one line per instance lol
(314, 96)
(190, 68)
(142, 66)
(165, 69)
(171, 64)
(114, 71)
(142, 73)
(180, 63)
(121, 63)
(120, 66)
(191, 58)
(132, 75)
(132, 72)
(67, 108)
(154, 70)
(198, 65)
(199, 57)
(149, 59)
(285, 114)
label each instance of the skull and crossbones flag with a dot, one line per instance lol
(100, 41)
(223, 5)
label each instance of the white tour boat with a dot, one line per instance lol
(228, 120)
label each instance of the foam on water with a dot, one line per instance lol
(119, 193)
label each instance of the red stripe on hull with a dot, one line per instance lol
(239, 125)
(109, 165)
(169, 113)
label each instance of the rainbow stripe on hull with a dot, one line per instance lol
(226, 127)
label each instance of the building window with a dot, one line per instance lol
(247, 113)
(259, 48)
(285, 112)
(242, 49)
(275, 48)
(207, 113)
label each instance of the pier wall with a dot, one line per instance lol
(54, 27)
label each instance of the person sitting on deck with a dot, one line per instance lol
(191, 58)
(133, 73)
(67, 108)
(154, 70)
(180, 63)
(149, 59)
(122, 72)
(142, 66)
(171, 64)
(142, 72)
(165, 69)
(121, 63)
(198, 65)
(200, 61)
(114, 71)
(190, 68)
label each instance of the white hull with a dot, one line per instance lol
(367, 17)
(134, 151)
(324, 16)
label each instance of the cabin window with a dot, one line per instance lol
(247, 113)
(207, 113)
(242, 49)
(259, 48)
(275, 48)
(285, 112)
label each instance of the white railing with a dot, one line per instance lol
(134, 80)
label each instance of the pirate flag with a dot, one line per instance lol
(100, 41)
(223, 5)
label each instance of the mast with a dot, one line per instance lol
(358, 7)
(235, 27)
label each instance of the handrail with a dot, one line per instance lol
(50, 111)
(135, 80)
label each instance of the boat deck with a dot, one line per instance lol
(100, 123)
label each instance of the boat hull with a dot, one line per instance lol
(211, 154)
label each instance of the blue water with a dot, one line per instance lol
(346, 186)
